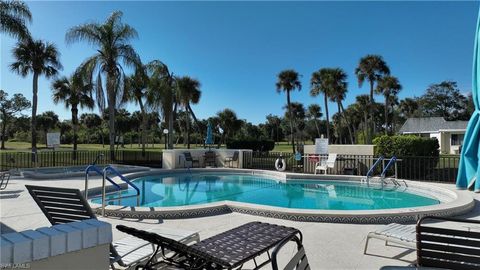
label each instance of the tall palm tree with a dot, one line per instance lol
(161, 94)
(73, 92)
(389, 86)
(135, 90)
(288, 81)
(111, 40)
(362, 102)
(314, 112)
(371, 68)
(188, 92)
(318, 84)
(14, 16)
(38, 58)
(337, 84)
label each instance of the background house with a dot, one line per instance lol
(448, 133)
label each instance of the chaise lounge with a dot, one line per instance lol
(227, 250)
(438, 246)
(64, 205)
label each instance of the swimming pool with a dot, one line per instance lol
(182, 193)
(183, 189)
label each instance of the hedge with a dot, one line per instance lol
(408, 148)
(255, 145)
(406, 145)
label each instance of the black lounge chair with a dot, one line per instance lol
(188, 158)
(228, 250)
(456, 247)
(232, 159)
(65, 205)
(4, 178)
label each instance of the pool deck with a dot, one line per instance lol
(328, 245)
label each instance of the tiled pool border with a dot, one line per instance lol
(452, 203)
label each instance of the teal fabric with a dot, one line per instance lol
(469, 167)
(209, 138)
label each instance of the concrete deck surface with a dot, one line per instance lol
(328, 245)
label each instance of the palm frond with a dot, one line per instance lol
(89, 32)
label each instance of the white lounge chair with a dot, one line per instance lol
(400, 234)
(323, 165)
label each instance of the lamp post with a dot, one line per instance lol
(165, 131)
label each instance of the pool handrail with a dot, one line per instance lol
(110, 168)
(93, 167)
(370, 171)
(390, 162)
(123, 178)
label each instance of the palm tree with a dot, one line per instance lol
(14, 15)
(288, 80)
(337, 84)
(389, 86)
(363, 104)
(92, 122)
(229, 123)
(188, 91)
(371, 68)
(408, 107)
(74, 92)
(135, 90)
(111, 40)
(46, 121)
(298, 114)
(318, 84)
(314, 112)
(38, 58)
(161, 94)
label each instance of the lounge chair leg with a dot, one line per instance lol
(366, 245)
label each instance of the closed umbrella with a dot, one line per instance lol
(209, 138)
(469, 167)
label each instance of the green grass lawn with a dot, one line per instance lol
(25, 147)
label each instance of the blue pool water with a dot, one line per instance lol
(199, 188)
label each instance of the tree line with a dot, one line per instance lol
(165, 99)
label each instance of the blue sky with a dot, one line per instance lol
(236, 49)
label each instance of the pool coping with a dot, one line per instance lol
(32, 173)
(453, 202)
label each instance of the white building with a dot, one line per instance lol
(448, 133)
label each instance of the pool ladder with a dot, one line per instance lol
(370, 172)
(384, 180)
(105, 177)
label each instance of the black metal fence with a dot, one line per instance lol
(12, 160)
(422, 168)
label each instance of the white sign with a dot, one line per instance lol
(53, 140)
(321, 146)
(119, 139)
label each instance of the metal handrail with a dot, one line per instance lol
(94, 168)
(370, 171)
(117, 173)
(392, 161)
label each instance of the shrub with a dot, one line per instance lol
(255, 145)
(419, 156)
(406, 145)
